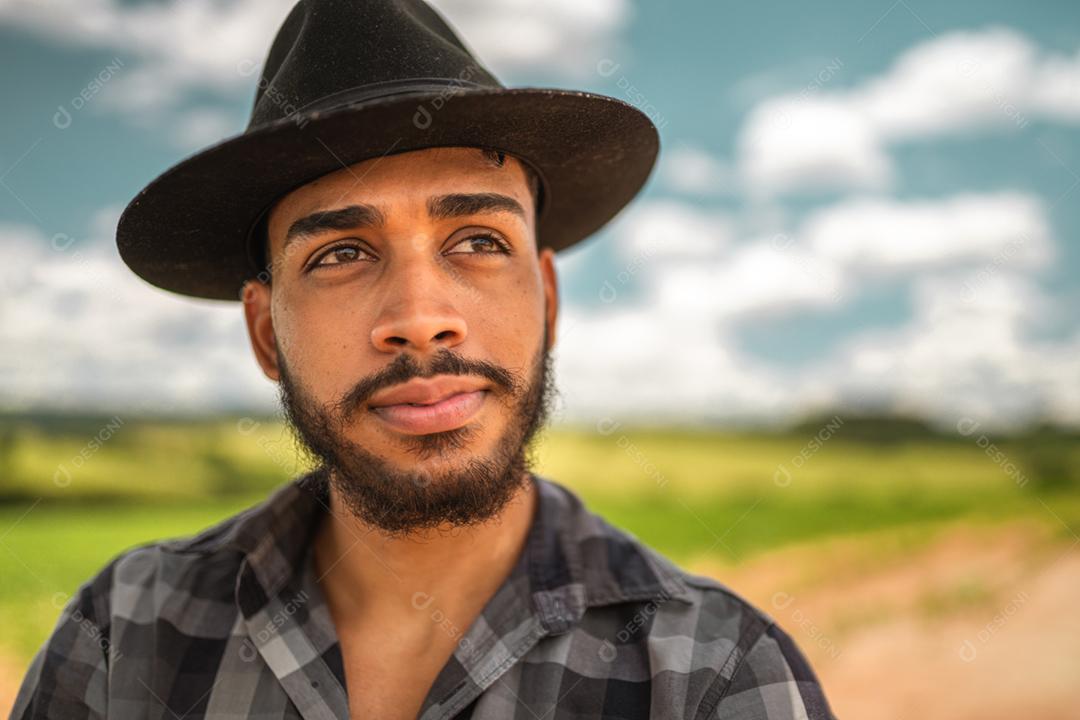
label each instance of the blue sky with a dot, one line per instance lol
(869, 204)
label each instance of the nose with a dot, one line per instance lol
(417, 316)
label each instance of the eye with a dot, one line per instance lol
(341, 254)
(482, 244)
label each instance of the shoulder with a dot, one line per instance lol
(707, 649)
(159, 579)
(115, 612)
(152, 578)
(731, 658)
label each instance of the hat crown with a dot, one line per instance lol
(330, 53)
(347, 81)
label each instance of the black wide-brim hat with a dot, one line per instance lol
(351, 80)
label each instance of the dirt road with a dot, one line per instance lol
(978, 622)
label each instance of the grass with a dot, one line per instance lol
(688, 493)
(46, 553)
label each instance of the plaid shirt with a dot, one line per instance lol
(590, 623)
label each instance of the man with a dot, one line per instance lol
(389, 220)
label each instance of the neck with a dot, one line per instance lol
(368, 576)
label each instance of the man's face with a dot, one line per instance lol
(408, 322)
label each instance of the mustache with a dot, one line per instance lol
(405, 367)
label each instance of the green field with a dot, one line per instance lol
(72, 495)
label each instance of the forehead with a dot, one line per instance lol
(402, 179)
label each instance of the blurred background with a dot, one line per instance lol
(830, 356)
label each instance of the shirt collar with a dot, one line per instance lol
(573, 559)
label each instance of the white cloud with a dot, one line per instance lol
(685, 256)
(994, 79)
(790, 143)
(173, 49)
(764, 276)
(957, 81)
(692, 170)
(1056, 90)
(564, 37)
(90, 334)
(182, 46)
(888, 235)
(968, 353)
(199, 127)
(647, 364)
(652, 230)
(960, 355)
(971, 346)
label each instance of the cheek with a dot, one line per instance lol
(324, 347)
(511, 332)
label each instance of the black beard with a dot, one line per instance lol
(400, 502)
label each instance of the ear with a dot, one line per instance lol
(260, 325)
(551, 292)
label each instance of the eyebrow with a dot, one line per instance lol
(439, 207)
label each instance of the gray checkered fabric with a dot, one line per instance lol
(590, 623)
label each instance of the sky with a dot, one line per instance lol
(858, 205)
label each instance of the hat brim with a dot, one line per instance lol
(187, 230)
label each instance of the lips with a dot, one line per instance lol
(423, 406)
(426, 391)
(447, 414)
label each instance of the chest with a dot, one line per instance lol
(385, 680)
